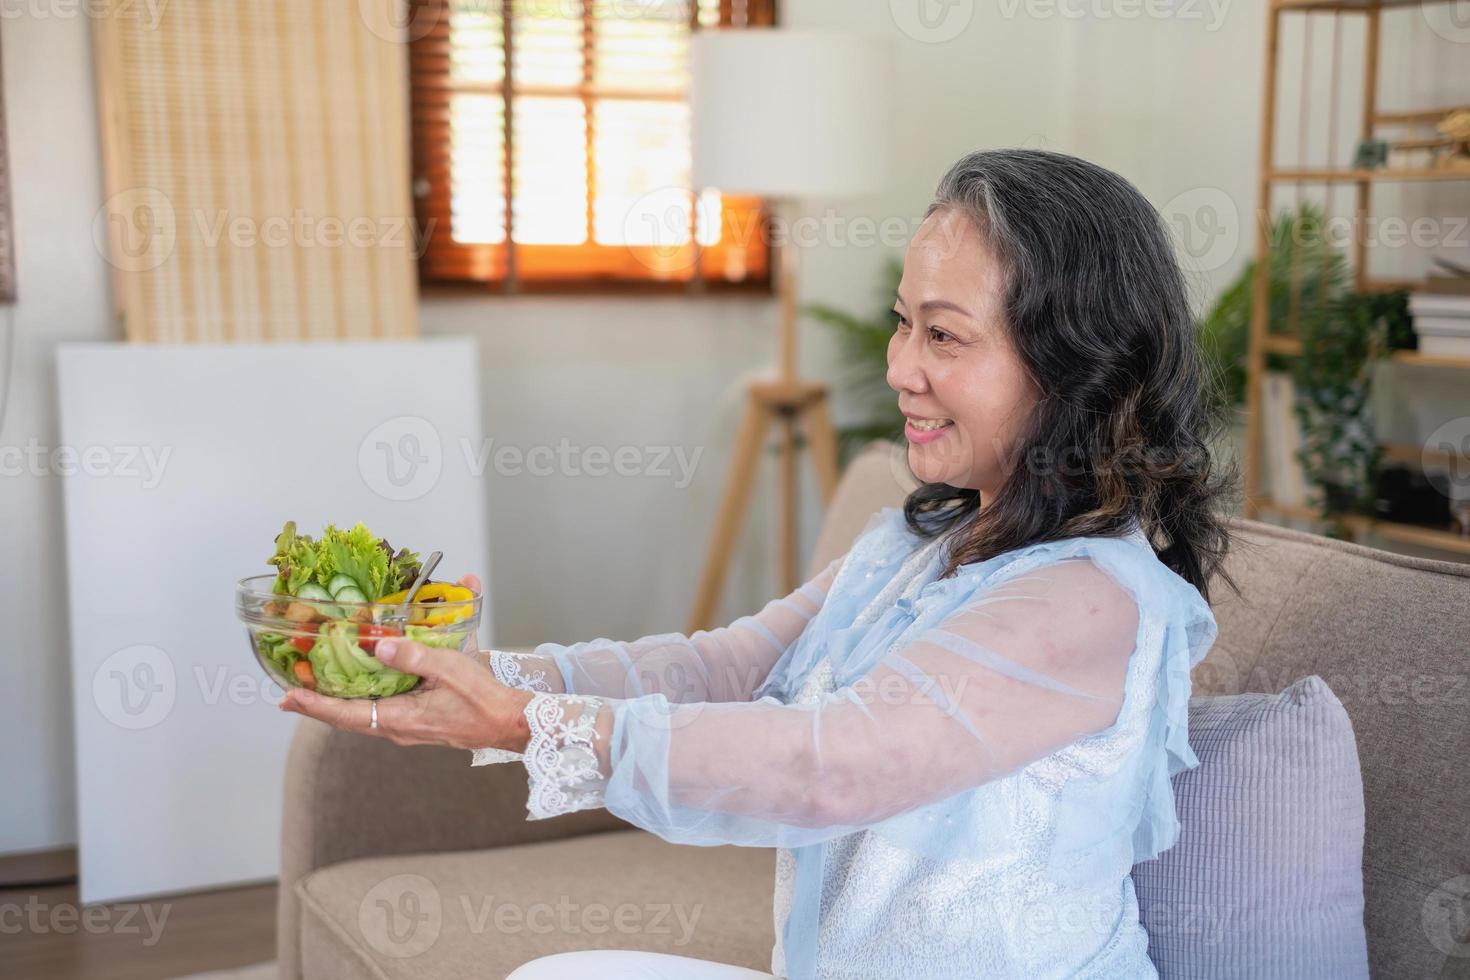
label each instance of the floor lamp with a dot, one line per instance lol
(784, 114)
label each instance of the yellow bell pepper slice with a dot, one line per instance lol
(457, 595)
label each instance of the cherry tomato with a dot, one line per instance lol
(368, 635)
(303, 643)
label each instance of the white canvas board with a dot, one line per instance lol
(182, 464)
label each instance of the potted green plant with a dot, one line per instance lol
(1300, 250)
(1343, 334)
(1341, 345)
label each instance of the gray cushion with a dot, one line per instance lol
(1266, 880)
(1390, 636)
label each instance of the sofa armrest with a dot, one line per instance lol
(349, 796)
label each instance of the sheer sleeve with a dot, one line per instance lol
(719, 665)
(1015, 672)
(723, 664)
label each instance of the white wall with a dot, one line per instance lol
(56, 186)
(1173, 104)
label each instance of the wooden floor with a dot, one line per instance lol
(153, 939)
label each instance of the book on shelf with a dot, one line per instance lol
(1442, 345)
(1444, 326)
(1281, 438)
(1448, 305)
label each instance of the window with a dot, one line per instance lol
(551, 145)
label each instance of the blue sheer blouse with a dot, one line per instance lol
(958, 774)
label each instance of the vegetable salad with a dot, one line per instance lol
(333, 591)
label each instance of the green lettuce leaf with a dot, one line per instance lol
(403, 568)
(344, 670)
(297, 560)
(369, 561)
(356, 554)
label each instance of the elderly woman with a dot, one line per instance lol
(960, 735)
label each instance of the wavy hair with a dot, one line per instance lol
(1097, 308)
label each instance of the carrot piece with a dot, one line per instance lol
(302, 670)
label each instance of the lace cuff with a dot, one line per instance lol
(507, 668)
(561, 756)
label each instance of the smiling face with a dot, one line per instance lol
(951, 358)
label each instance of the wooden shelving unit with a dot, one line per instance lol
(1357, 6)
(1364, 176)
(1291, 346)
(1264, 341)
(1427, 537)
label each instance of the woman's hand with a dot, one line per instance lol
(459, 703)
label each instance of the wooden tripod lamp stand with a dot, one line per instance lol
(785, 115)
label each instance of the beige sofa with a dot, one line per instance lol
(405, 862)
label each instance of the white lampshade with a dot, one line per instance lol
(790, 113)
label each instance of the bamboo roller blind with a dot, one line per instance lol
(256, 154)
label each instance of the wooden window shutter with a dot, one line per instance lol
(551, 148)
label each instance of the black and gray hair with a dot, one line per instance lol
(1097, 309)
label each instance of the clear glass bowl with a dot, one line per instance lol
(328, 646)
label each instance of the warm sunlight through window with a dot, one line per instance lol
(567, 164)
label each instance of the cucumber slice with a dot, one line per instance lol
(340, 582)
(322, 597)
(350, 593)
